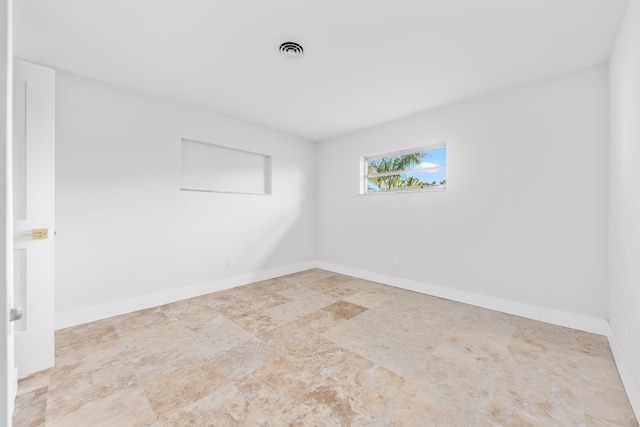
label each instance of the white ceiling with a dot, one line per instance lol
(366, 61)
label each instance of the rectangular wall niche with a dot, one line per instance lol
(210, 167)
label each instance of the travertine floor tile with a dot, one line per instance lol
(84, 336)
(344, 309)
(416, 406)
(162, 354)
(324, 405)
(85, 358)
(336, 286)
(193, 314)
(240, 361)
(319, 321)
(168, 393)
(322, 349)
(219, 334)
(298, 308)
(128, 407)
(306, 276)
(319, 356)
(607, 405)
(206, 411)
(369, 298)
(286, 337)
(599, 370)
(31, 408)
(34, 381)
(70, 392)
(399, 342)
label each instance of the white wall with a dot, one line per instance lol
(525, 211)
(624, 196)
(125, 231)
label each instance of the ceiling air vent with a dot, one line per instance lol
(291, 50)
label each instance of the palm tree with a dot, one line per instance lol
(410, 181)
(392, 164)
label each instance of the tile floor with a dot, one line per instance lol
(321, 349)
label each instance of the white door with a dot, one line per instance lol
(33, 215)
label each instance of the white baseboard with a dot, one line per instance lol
(630, 382)
(556, 317)
(103, 311)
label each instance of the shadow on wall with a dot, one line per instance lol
(291, 238)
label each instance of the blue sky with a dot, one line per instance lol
(431, 158)
(436, 157)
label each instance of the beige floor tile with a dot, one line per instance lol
(306, 276)
(266, 409)
(325, 405)
(319, 321)
(286, 337)
(34, 381)
(287, 387)
(318, 349)
(146, 322)
(123, 408)
(271, 285)
(242, 360)
(298, 308)
(219, 334)
(545, 335)
(70, 392)
(85, 358)
(344, 309)
(593, 345)
(609, 405)
(399, 343)
(442, 372)
(168, 393)
(85, 336)
(534, 393)
(225, 406)
(230, 304)
(415, 406)
(31, 408)
(510, 406)
(369, 386)
(283, 378)
(544, 357)
(298, 291)
(599, 370)
(487, 324)
(162, 354)
(369, 298)
(263, 295)
(319, 356)
(336, 286)
(256, 322)
(191, 315)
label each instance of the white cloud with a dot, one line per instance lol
(428, 165)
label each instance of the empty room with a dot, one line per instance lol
(321, 213)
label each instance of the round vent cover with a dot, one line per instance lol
(291, 50)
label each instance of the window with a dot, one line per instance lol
(418, 169)
(209, 167)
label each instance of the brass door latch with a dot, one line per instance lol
(36, 234)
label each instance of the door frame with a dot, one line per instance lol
(8, 379)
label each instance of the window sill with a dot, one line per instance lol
(413, 190)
